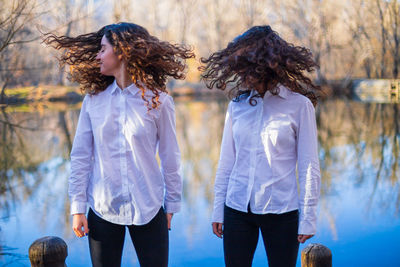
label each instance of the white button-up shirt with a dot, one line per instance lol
(260, 149)
(113, 159)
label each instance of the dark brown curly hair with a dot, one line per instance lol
(260, 59)
(149, 61)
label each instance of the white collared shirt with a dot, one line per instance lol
(113, 159)
(260, 149)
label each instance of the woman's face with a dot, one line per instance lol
(109, 62)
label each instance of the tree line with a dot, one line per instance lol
(358, 38)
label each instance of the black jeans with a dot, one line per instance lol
(279, 233)
(106, 241)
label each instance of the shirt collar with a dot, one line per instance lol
(113, 88)
(131, 88)
(283, 92)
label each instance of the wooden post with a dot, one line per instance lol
(316, 255)
(48, 251)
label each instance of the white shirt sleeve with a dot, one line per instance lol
(81, 161)
(308, 169)
(225, 165)
(170, 157)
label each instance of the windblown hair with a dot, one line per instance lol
(149, 61)
(259, 59)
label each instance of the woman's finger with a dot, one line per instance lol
(85, 227)
(217, 229)
(214, 228)
(303, 238)
(169, 219)
(78, 233)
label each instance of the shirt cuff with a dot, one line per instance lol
(172, 207)
(78, 207)
(307, 227)
(218, 214)
(217, 219)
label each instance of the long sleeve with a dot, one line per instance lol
(81, 161)
(169, 153)
(308, 169)
(225, 165)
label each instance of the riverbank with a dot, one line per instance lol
(72, 94)
(379, 90)
(42, 93)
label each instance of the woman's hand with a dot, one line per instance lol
(79, 220)
(217, 229)
(169, 219)
(303, 238)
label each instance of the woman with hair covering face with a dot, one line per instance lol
(270, 129)
(126, 118)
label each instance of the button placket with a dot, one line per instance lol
(254, 145)
(123, 159)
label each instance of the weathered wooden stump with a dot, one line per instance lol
(316, 255)
(48, 251)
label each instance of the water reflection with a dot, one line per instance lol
(368, 134)
(199, 132)
(359, 152)
(29, 140)
(371, 134)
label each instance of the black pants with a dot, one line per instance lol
(279, 233)
(106, 241)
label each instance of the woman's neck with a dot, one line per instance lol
(261, 88)
(123, 78)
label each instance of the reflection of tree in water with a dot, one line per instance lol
(384, 149)
(16, 160)
(199, 130)
(369, 134)
(29, 140)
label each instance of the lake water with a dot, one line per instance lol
(359, 148)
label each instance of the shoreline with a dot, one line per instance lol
(364, 89)
(72, 94)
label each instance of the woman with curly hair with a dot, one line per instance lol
(126, 118)
(270, 128)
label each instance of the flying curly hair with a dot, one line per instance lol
(149, 61)
(260, 59)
